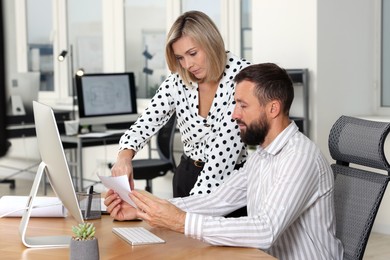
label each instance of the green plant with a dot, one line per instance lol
(84, 231)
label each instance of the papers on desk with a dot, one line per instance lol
(102, 134)
(120, 184)
(95, 134)
(14, 206)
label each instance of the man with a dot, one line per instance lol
(287, 184)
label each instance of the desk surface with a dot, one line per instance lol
(177, 245)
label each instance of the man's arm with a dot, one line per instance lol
(163, 213)
(269, 215)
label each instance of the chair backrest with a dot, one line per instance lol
(358, 190)
(165, 138)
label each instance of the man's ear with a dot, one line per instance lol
(274, 108)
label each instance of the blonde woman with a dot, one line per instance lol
(200, 91)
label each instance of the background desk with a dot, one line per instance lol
(177, 245)
(78, 142)
(23, 126)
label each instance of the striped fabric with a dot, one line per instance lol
(288, 189)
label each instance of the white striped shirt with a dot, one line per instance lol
(288, 189)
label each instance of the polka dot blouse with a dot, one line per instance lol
(214, 140)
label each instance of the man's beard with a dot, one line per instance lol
(255, 132)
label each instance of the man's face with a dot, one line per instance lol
(250, 116)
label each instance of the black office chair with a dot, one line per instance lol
(358, 190)
(148, 169)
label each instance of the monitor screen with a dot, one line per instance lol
(106, 98)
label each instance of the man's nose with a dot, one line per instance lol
(236, 113)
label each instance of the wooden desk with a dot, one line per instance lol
(177, 245)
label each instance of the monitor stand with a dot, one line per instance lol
(16, 106)
(42, 241)
(99, 128)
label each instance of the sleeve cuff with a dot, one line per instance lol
(193, 225)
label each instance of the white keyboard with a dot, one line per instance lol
(137, 236)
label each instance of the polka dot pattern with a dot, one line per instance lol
(214, 140)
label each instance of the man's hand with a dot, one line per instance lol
(119, 209)
(158, 212)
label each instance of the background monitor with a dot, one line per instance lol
(55, 166)
(22, 89)
(106, 98)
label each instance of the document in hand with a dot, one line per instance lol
(120, 184)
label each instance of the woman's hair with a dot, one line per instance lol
(272, 82)
(201, 29)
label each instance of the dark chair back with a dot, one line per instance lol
(165, 139)
(359, 188)
(150, 168)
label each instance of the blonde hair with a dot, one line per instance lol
(204, 32)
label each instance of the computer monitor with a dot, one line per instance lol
(106, 98)
(55, 166)
(22, 89)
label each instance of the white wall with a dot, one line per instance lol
(336, 41)
(284, 32)
(346, 62)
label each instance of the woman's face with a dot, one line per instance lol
(191, 56)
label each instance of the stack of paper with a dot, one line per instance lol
(14, 206)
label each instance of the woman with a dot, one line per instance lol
(200, 90)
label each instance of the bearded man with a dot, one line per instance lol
(286, 184)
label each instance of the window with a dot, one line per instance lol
(85, 35)
(56, 26)
(145, 33)
(39, 43)
(211, 8)
(109, 36)
(246, 29)
(84, 38)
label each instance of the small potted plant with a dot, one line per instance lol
(84, 244)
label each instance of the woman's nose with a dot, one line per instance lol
(187, 63)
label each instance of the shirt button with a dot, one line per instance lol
(207, 125)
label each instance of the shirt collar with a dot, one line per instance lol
(281, 140)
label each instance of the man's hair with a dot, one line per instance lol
(272, 83)
(201, 29)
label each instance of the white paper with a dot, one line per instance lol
(103, 207)
(120, 184)
(42, 206)
(95, 134)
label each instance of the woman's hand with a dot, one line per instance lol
(124, 166)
